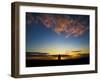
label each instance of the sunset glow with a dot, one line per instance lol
(57, 34)
(57, 39)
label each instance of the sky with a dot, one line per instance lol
(57, 33)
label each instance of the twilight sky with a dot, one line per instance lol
(57, 33)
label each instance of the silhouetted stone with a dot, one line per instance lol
(59, 57)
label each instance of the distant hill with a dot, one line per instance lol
(35, 53)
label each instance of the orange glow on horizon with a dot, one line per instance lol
(63, 51)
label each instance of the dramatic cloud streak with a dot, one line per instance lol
(66, 25)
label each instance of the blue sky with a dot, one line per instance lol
(44, 33)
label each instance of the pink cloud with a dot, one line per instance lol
(46, 20)
(30, 18)
(59, 24)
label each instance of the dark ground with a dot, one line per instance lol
(38, 63)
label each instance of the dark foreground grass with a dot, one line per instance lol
(38, 63)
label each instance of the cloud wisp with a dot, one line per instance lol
(66, 25)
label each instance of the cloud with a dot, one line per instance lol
(61, 24)
(30, 18)
(75, 28)
(76, 51)
(46, 20)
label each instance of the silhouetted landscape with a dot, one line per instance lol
(34, 59)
